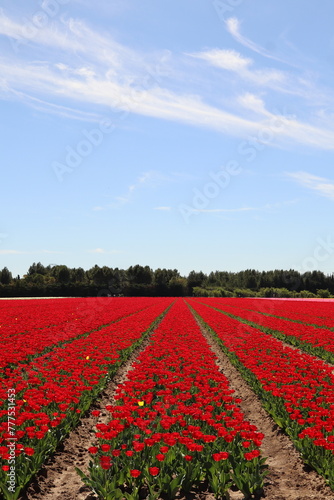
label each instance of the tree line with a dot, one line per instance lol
(60, 280)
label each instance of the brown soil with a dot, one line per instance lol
(58, 479)
(288, 478)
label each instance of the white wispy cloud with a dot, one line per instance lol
(295, 80)
(254, 103)
(269, 207)
(223, 210)
(165, 209)
(321, 185)
(11, 252)
(21, 33)
(30, 252)
(56, 109)
(233, 27)
(77, 67)
(161, 103)
(51, 252)
(155, 102)
(232, 60)
(266, 78)
(149, 180)
(102, 251)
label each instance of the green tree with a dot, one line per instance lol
(195, 279)
(161, 279)
(139, 275)
(324, 294)
(118, 281)
(96, 275)
(62, 274)
(5, 276)
(178, 287)
(78, 275)
(37, 269)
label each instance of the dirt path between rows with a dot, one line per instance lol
(288, 478)
(58, 479)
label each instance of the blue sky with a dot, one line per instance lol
(190, 134)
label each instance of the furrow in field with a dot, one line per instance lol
(288, 478)
(89, 316)
(175, 427)
(315, 312)
(58, 479)
(53, 390)
(297, 389)
(315, 341)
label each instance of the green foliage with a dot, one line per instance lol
(244, 292)
(200, 292)
(55, 280)
(5, 276)
(177, 287)
(140, 275)
(37, 269)
(305, 294)
(325, 294)
(274, 292)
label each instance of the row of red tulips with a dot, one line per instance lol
(310, 312)
(314, 340)
(297, 389)
(315, 312)
(175, 424)
(26, 338)
(42, 401)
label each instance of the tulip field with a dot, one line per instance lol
(176, 423)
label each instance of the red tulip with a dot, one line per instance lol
(154, 471)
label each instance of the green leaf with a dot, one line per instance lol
(81, 474)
